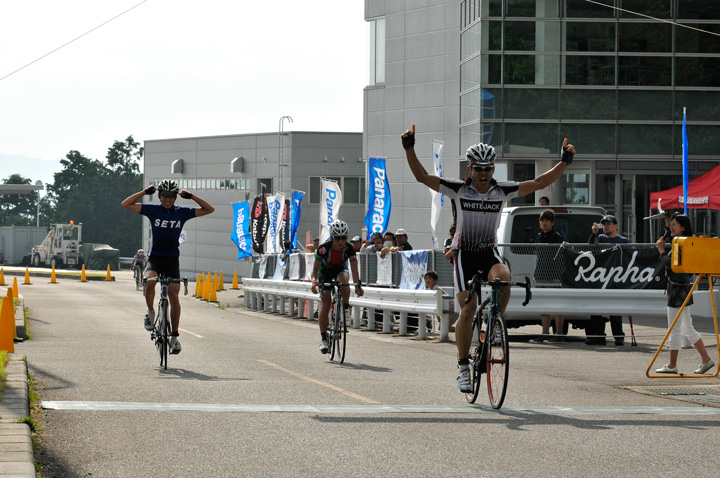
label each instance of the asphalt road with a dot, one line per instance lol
(250, 395)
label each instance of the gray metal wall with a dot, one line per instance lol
(208, 247)
(17, 241)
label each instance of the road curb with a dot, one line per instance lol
(16, 449)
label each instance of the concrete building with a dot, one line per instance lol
(524, 74)
(227, 169)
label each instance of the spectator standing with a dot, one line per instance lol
(401, 241)
(595, 331)
(389, 240)
(431, 283)
(547, 272)
(356, 243)
(544, 201)
(678, 288)
(374, 245)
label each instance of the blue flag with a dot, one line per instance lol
(241, 232)
(686, 179)
(379, 201)
(295, 202)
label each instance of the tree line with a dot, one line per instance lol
(86, 191)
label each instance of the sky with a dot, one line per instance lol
(175, 68)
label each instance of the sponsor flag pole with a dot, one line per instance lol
(685, 165)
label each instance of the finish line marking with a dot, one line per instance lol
(371, 409)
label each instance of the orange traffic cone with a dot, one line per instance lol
(10, 293)
(27, 276)
(235, 281)
(7, 325)
(213, 294)
(16, 293)
(197, 284)
(206, 289)
(83, 277)
(53, 279)
(222, 282)
(2, 276)
(108, 277)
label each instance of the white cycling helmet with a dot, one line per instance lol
(481, 154)
(339, 228)
(141, 252)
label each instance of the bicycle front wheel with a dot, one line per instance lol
(341, 333)
(163, 335)
(332, 330)
(497, 360)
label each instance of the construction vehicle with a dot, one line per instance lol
(61, 247)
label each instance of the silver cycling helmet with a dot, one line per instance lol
(481, 154)
(339, 228)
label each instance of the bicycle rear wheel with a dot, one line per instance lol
(475, 366)
(498, 360)
(163, 335)
(332, 330)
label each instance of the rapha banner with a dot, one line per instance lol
(436, 198)
(414, 266)
(259, 223)
(330, 204)
(613, 268)
(295, 210)
(379, 200)
(241, 232)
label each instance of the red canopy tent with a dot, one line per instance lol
(703, 193)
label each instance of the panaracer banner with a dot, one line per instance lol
(295, 211)
(259, 222)
(275, 205)
(241, 232)
(379, 201)
(330, 204)
(414, 266)
(613, 268)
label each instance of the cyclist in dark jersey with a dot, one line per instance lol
(479, 200)
(166, 221)
(331, 262)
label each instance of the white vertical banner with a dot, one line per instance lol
(329, 207)
(435, 197)
(384, 270)
(294, 267)
(309, 263)
(280, 203)
(272, 215)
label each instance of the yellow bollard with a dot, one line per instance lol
(235, 282)
(108, 277)
(83, 277)
(207, 287)
(7, 325)
(16, 293)
(213, 294)
(2, 276)
(27, 276)
(222, 282)
(53, 279)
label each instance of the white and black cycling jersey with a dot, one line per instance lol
(478, 215)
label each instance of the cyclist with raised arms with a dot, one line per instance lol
(479, 200)
(166, 221)
(331, 262)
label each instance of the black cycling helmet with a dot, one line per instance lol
(168, 185)
(481, 154)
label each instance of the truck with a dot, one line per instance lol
(61, 247)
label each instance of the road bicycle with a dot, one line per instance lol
(492, 354)
(337, 324)
(138, 275)
(162, 328)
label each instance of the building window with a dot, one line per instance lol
(377, 51)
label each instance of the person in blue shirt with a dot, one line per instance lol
(166, 221)
(595, 331)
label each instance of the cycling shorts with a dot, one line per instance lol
(328, 274)
(467, 263)
(169, 266)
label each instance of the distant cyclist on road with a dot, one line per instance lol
(331, 262)
(166, 221)
(479, 200)
(139, 260)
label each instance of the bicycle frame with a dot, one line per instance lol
(162, 328)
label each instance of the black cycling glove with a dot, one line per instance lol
(150, 190)
(408, 141)
(566, 156)
(186, 195)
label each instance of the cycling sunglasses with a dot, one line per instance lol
(340, 238)
(168, 195)
(479, 169)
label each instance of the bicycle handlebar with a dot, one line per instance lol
(168, 280)
(475, 283)
(341, 284)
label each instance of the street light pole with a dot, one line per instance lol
(281, 143)
(37, 214)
